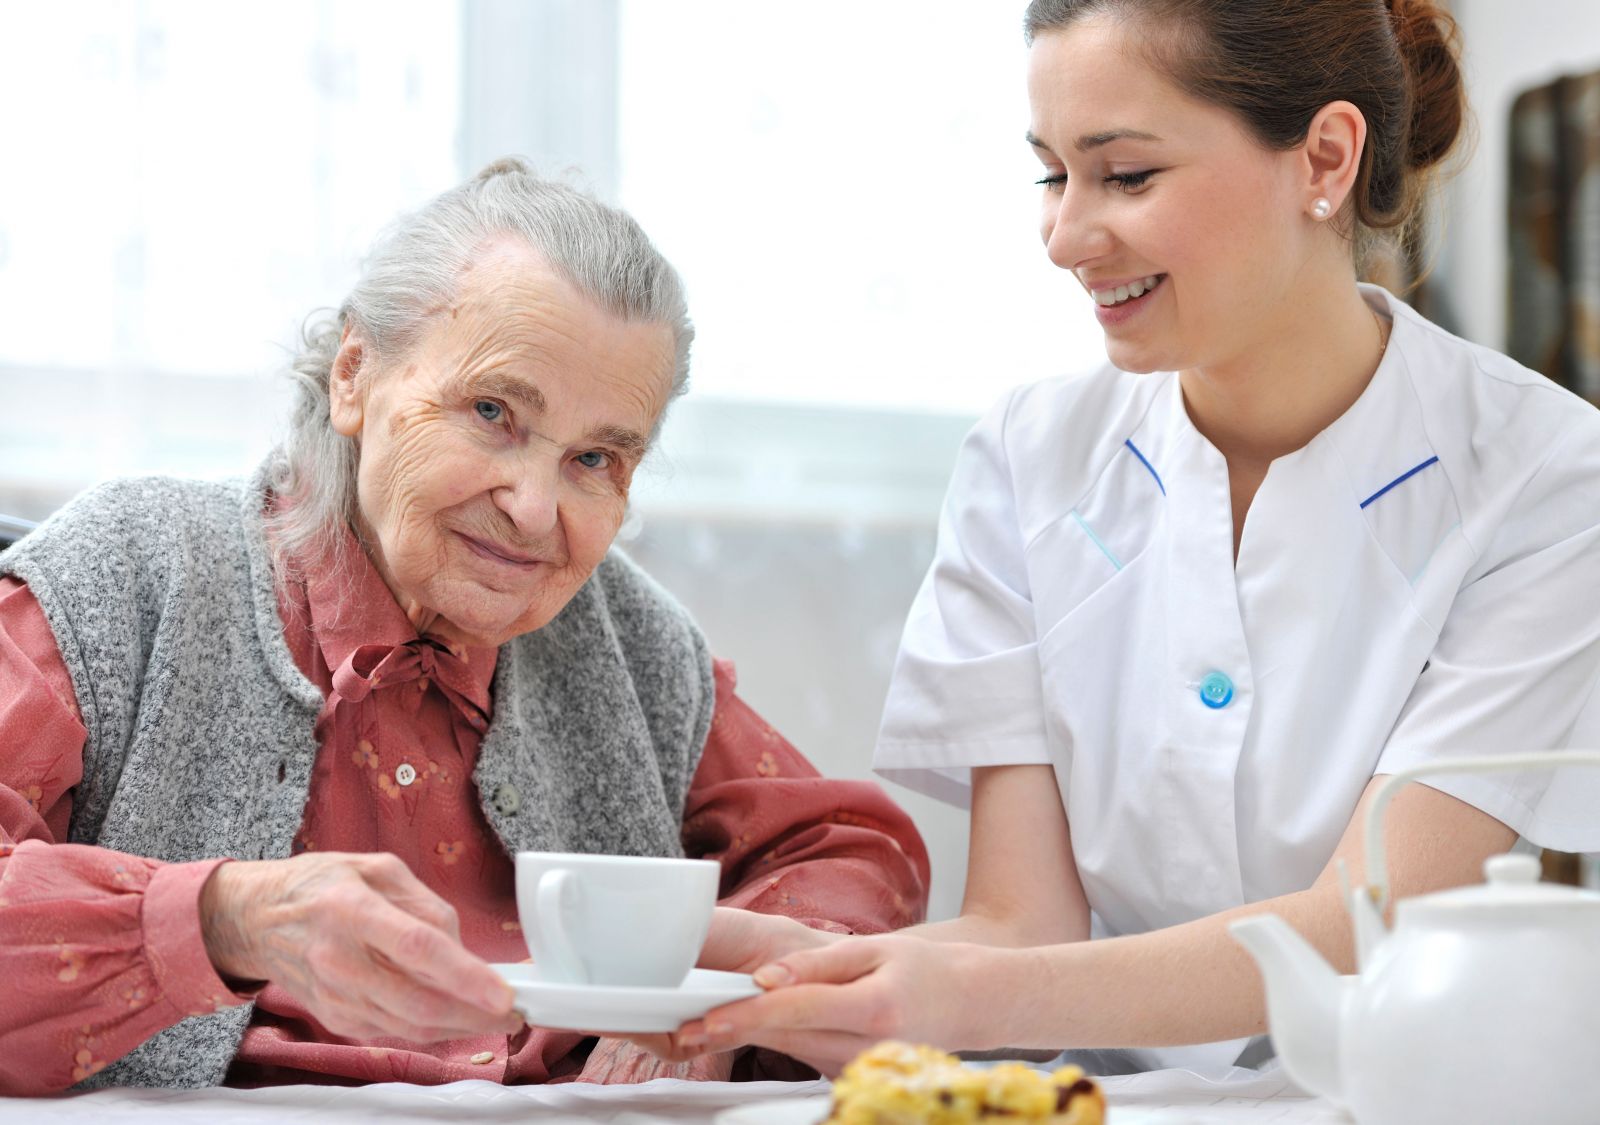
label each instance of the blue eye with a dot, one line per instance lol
(489, 410)
(593, 459)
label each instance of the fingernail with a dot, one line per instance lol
(771, 976)
(719, 1029)
(692, 1037)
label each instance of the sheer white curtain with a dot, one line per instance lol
(846, 189)
(184, 182)
(843, 185)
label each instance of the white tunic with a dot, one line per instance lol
(1422, 579)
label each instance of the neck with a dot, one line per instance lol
(1301, 372)
(427, 622)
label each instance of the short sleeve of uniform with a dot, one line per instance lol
(1517, 664)
(966, 685)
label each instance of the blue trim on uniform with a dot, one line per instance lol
(1089, 531)
(1401, 479)
(1129, 443)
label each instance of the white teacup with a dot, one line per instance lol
(619, 920)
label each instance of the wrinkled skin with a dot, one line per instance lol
(617, 1060)
(359, 940)
(495, 460)
(496, 456)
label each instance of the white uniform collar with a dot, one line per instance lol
(1379, 439)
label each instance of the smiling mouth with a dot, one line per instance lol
(1122, 294)
(498, 554)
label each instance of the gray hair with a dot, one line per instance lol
(414, 269)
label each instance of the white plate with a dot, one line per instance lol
(601, 1008)
(790, 1111)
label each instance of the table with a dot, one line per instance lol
(1163, 1097)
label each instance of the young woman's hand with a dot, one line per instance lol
(359, 940)
(825, 1006)
(741, 941)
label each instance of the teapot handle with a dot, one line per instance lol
(1377, 859)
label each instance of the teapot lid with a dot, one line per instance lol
(1512, 886)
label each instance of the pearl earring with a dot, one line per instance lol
(1320, 209)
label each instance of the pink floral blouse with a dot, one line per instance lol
(100, 950)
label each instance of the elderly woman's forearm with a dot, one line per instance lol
(814, 849)
(222, 928)
(127, 962)
(830, 853)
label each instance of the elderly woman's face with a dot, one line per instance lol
(496, 456)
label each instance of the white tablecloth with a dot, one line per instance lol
(1163, 1097)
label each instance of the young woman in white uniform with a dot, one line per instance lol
(1185, 611)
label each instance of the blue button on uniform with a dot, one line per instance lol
(1216, 690)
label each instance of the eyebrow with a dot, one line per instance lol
(629, 441)
(498, 385)
(1095, 140)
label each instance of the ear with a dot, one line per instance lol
(346, 400)
(1333, 153)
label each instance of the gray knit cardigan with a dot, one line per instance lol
(160, 594)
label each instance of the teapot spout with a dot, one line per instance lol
(1305, 1001)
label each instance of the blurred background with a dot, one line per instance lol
(843, 184)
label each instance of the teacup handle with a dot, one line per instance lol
(1377, 859)
(558, 893)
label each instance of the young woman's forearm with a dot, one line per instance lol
(1186, 984)
(973, 928)
(1193, 983)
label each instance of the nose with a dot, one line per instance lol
(1073, 233)
(530, 498)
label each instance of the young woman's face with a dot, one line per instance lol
(496, 456)
(1144, 182)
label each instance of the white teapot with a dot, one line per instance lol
(1482, 1005)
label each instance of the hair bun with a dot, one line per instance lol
(505, 166)
(1429, 42)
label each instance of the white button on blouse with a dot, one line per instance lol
(1422, 579)
(507, 799)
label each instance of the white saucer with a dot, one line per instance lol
(604, 1008)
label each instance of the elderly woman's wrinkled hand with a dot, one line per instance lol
(359, 940)
(616, 1060)
(741, 941)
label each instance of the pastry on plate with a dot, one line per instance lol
(900, 1084)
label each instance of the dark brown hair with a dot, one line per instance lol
(1275, 63)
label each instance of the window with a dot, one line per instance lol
(176, 204)
(844, 187)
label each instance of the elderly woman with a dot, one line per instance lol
(402, 652)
